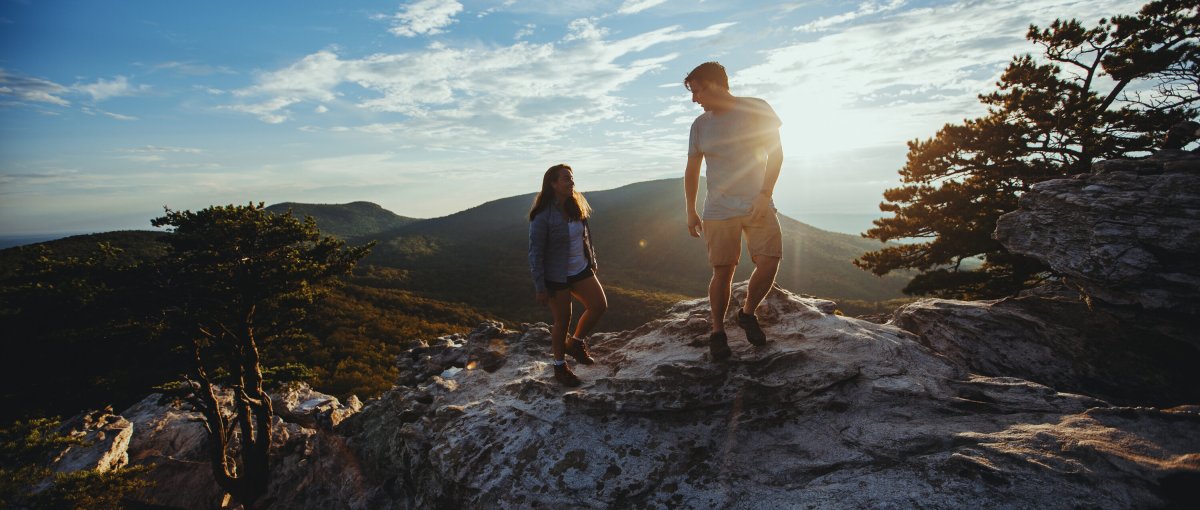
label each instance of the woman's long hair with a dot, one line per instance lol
(576, 206)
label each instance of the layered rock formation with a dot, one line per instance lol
(1120, 322)
(105, 442)
(1128, 233)
(164, 435)
(833, 413)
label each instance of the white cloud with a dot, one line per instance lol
(901, 76)
(163, 149)
(105, 89)
(524, 96)
(636, 6)
(193, 69)
(585, 28)
(525, 31)
(119, 116)
(96, 111)
(864, 9)
(311, 78)
(268, 111)
(424, 17)
(28, 88)
(155, 153)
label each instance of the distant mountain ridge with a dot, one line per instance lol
(478, 256)
(355, 219)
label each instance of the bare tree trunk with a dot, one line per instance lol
(243, 475)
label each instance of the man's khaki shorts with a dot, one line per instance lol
(724, 239)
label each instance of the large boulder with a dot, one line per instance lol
(833, 413)
(1128, 233)
(1052, 337)
(104, 444)
(171, 441)
(298, 403)
(1120, 322)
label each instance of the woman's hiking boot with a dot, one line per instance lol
(578, 349)
(564, 375)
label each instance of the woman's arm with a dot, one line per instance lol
(538, 231)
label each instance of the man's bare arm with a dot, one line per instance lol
(691, 186)
(759, 207)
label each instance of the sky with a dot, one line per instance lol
(111, 111)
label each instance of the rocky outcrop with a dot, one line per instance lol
(833, 413)
(104, 441)
(1120, 322)
(1052, 337)
(169, 438)
(1128, 233)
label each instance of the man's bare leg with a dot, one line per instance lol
(718, 295)
(761, 281)
(718, 301)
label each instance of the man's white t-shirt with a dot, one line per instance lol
(735, 145)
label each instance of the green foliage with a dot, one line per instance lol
(356, 220)
(858, 308)
(229, 262)
(1046, 121)
(74, 337)
(363, 326)
(108, 345)
(27, 447)
(237, 278)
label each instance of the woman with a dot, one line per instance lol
(564, 265)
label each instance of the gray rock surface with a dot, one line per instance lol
(1128, 233)
(300, 404)
(171, 441)
(105, 442)
(1050, 336)
(833, 413)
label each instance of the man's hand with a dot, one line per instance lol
(695, 226)
(542, 297)
(760, 207)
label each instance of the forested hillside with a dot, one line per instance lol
(356, 219)
(80, 329)
(647, 260)
(74, 315)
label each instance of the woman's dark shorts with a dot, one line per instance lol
(571, 280)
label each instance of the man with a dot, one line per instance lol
(737, 138)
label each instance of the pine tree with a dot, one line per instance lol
(1104, 92)
(238, 278)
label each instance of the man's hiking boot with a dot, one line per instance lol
(564, 375)
(578, 349)
(749, 323)
(718, 346)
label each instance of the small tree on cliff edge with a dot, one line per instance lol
(1046, 121)
(237, 278)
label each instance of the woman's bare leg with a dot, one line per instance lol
(560, 308)
(595, 303)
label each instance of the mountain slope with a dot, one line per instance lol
(355, 219)
(478, 256)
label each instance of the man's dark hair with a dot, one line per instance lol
(710, 72)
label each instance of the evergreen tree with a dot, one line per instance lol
(238, 278)
(1104, 92)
